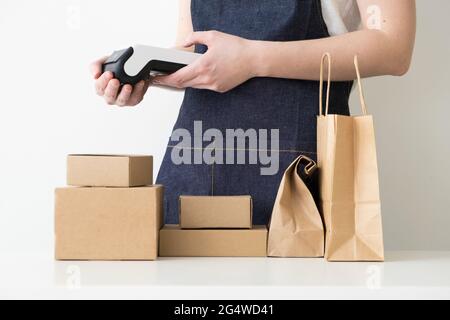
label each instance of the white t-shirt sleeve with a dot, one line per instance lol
(341, 16)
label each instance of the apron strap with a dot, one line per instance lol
(327, 57)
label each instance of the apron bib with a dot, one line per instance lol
(291, 106)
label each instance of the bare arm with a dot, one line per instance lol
(231, 60)
(384, 51)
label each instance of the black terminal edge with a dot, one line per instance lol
(116, 65)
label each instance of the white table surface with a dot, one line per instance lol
(405, 275)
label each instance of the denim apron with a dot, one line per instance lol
(291, 106)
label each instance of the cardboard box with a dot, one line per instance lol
(230, 212)
(176, 242)
(109, 171)
(108, 223)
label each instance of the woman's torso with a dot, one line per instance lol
(290, 106)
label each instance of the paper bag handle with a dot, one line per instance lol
(326, 57)
(305, 168)
(310, 165)
(360, 87)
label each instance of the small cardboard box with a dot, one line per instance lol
(108, 223)
(218, 212)
(176, 242)
(109, 171)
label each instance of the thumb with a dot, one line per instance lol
(200, 37)
(97, 66)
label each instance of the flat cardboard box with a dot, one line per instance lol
(108, 223)
(109, 171)
(218, 212)
(176, 242)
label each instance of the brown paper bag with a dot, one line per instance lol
(296, 228)
(349, 187)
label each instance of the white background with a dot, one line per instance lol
(48, 109)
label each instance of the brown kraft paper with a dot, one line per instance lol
(296, 228)
(349, 186)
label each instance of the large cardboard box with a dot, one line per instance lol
(109, 171)
(108, 223)
(218, 212)
(176, 242)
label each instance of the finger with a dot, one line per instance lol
(102, 82)
(111, 91)
(124, 95)
(200, 82)
(97, 67)
(179, 78)
(138, 93)
(200, 37)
